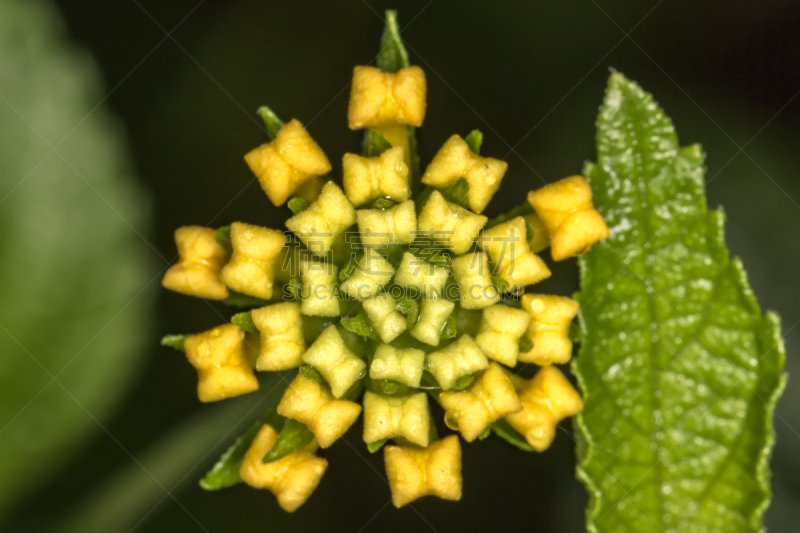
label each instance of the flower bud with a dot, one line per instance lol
(549, 328)
(251, 269)
(197, 271)
(416, 472)
(282, 341)
(380, 98)
(223, 370)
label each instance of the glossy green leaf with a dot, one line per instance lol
(225, 472)
(223, 237)
(174, 341)
(679, 367)
(450, 329)
(463, 382)
(245, 322)
(76, 259)
(297, 205)
(474, 140)
(271, 121)
(375, 143)
(294, 436)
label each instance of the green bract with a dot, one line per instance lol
(679, 367)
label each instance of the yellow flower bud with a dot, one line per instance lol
(371, 273)
(432, 317)
(251, 269)
(318, 290)
(201, 259)
(448, 225)
(549, 328)
(338, 365)
(566, 209)
(369, 178)
(456, 360)
(489, 398)
(499, 333)
(474, 279)
(420, 276)
(292, 478)
(454, 161)
(387, 417)
(324, 220)
(546, 399)
(540, 239)
(282, 341)
(416, 472)
(507, 247)
(223, 370)
(398, 364)
(288, 162)
(380, 228)
(382, 312)
(312, 404)
(379, 98)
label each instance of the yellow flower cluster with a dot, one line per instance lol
(421, 345)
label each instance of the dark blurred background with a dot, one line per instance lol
(185, 80)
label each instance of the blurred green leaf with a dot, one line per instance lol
(309, 372)
(237, 299)
(525, 344)
(457, 193)
(294, 436)
(359, 324)
(410, 308)
(223, 237)
(450, 329)
(474, 140)
(271, 121)
(676, 355)
(245, 322)
(76, 264)
(463, 382)
(295, 288)
(174, 341)
(297, 205)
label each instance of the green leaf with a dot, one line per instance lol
(237, 299)
(225, 473)
(486, 433)
(295, 288)
(375, 143)
(457, 193)
(450, 329)
(359, 324)
(76, 262)
(503, 429)
(309, 372)
(297, 205)
(520, 210)
(174, 341)
(463, 382)
(271, 121)
(474, 140)
(245, 322)
(294, 436)
(501, 284)
(410, 308)
(388, 386)
(223, 237)
(679, 367)
(525, 344)
(383, 203)
(348, 269)
(393, 55)
(373, 447)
